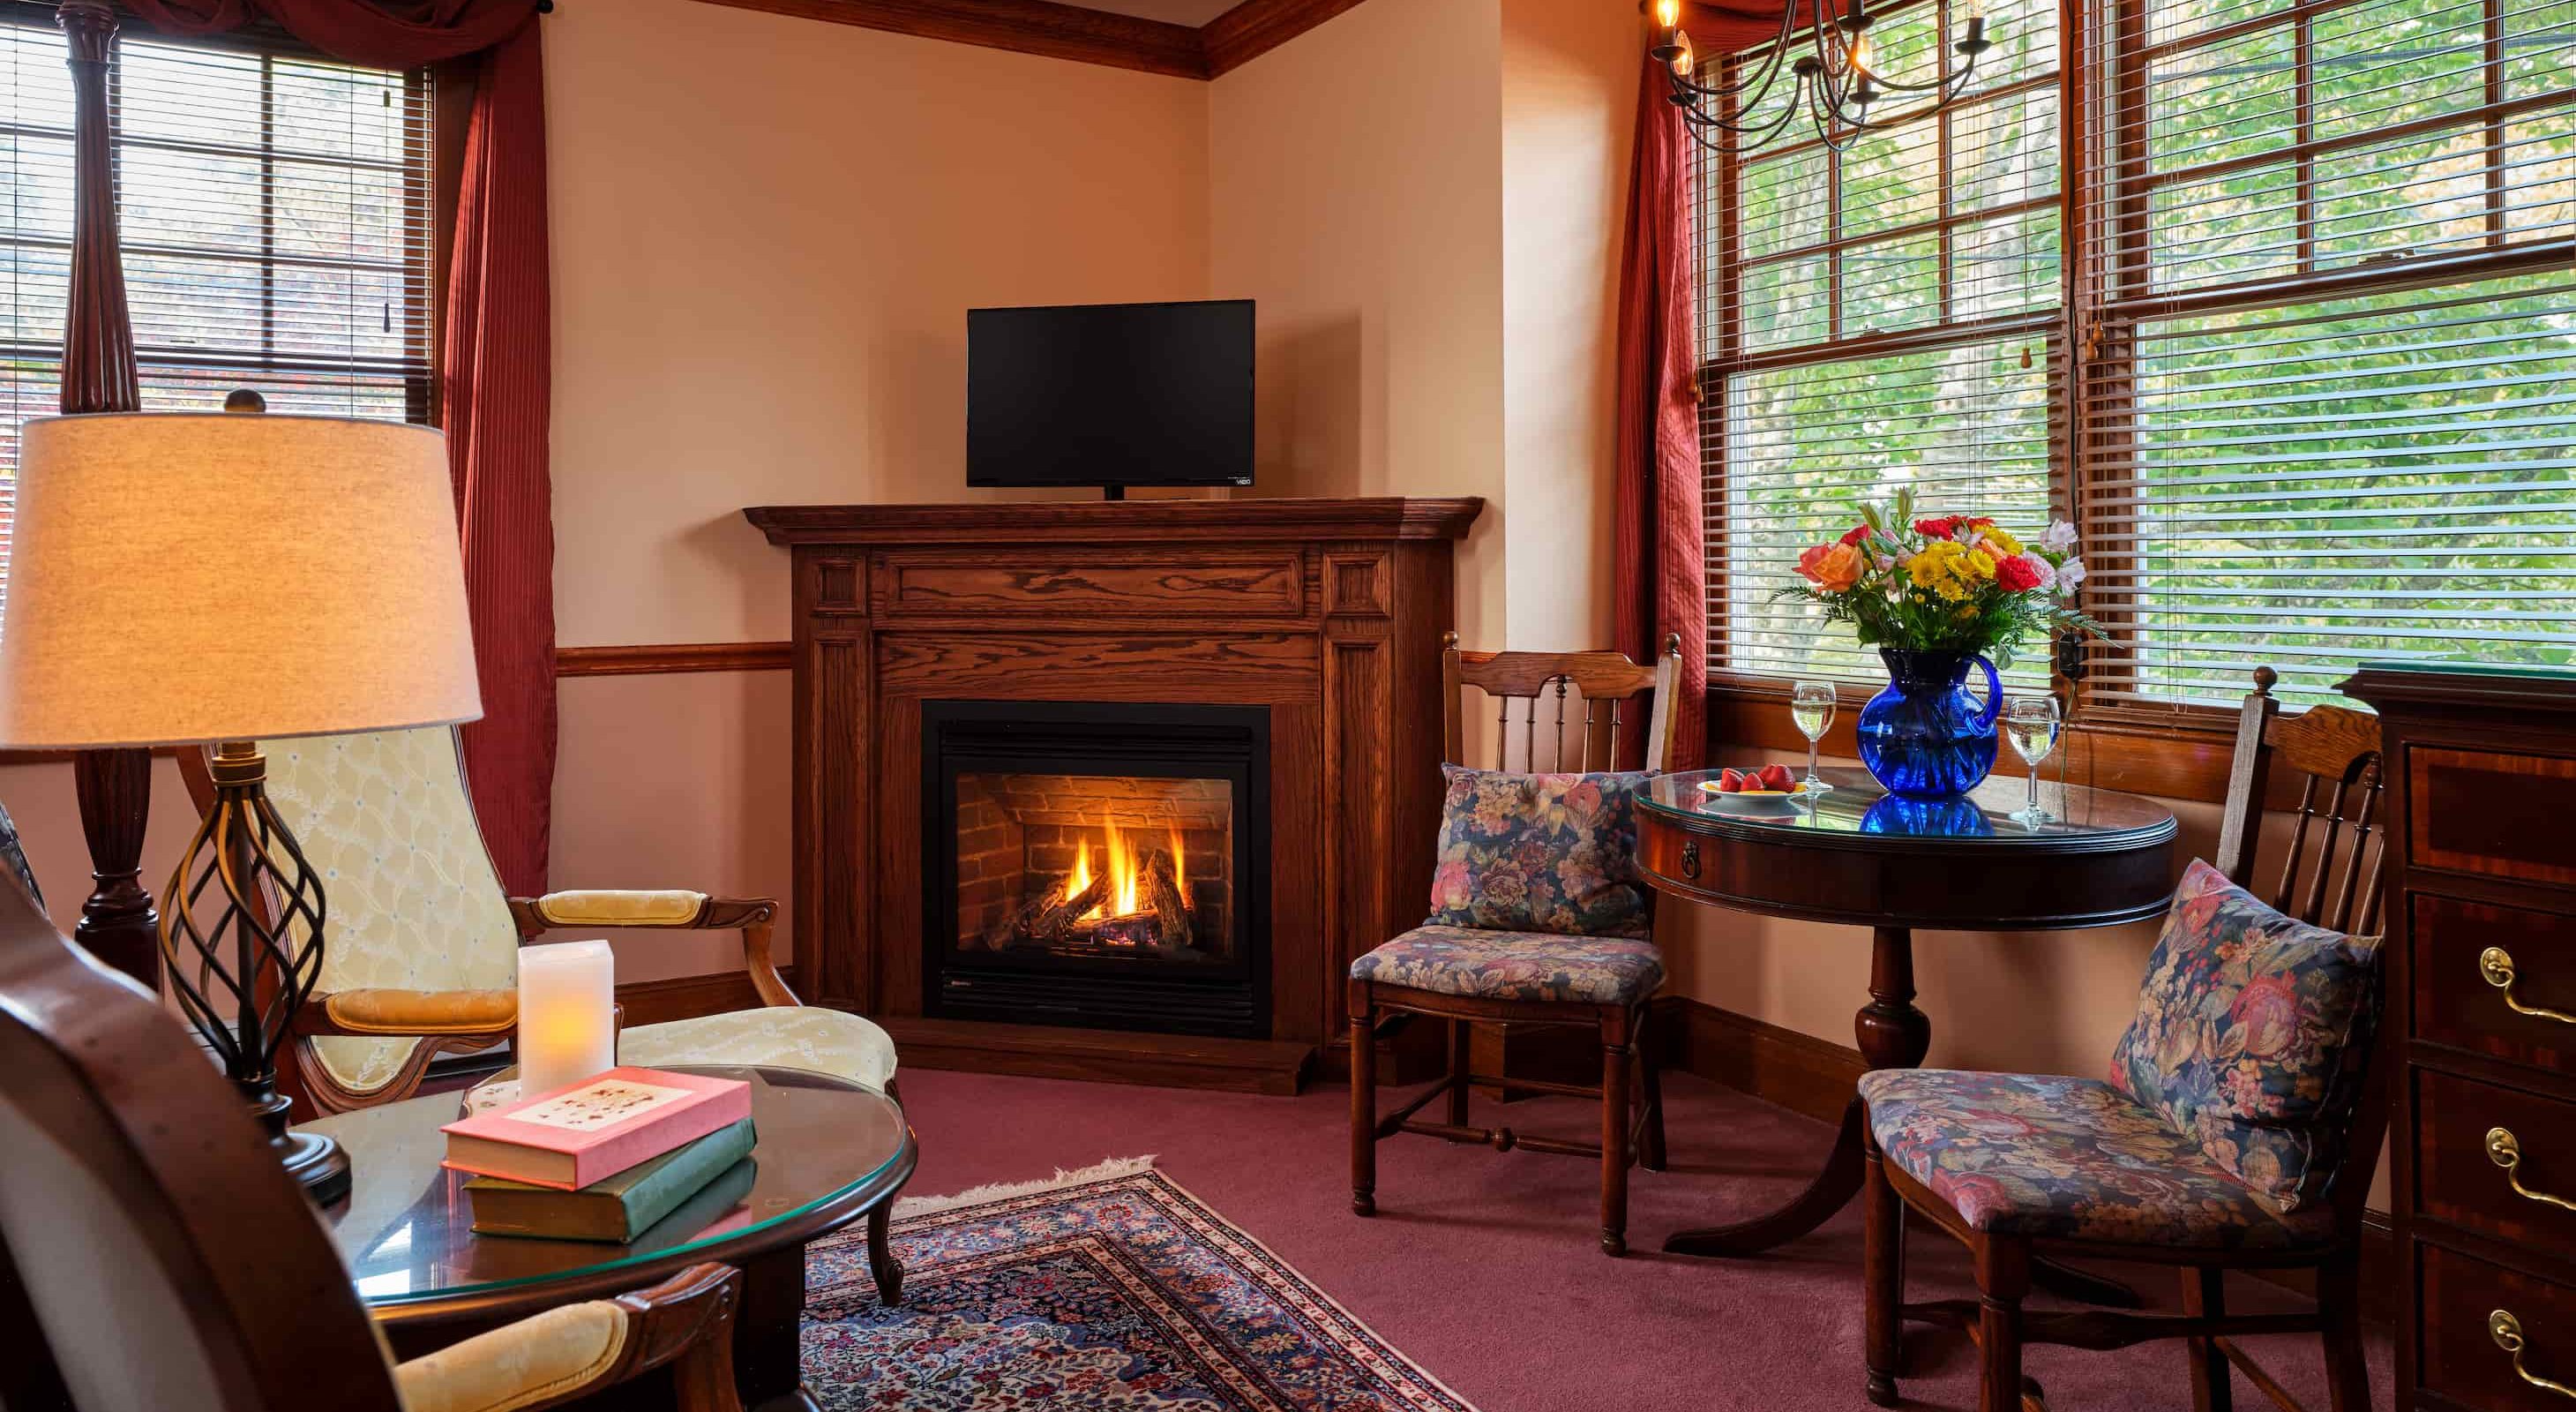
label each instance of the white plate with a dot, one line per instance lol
(1740, 802)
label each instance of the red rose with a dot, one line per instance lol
(1855, 534)
(2016, 575)
(1940, 528)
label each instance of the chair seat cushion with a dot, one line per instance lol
(806, 1037)
(2048, 1156)
(1499, 965)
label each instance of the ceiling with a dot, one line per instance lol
(1193, 13)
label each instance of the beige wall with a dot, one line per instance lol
(1356, 190)
(767, 232)
(1569, 76)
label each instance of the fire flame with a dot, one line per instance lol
(1126, 874)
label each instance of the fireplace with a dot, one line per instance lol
(1099, 865)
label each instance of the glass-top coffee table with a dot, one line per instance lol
(829, 1152)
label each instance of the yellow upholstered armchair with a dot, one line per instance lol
(421, 955)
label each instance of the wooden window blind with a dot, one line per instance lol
(275, 223)
(1886, 320)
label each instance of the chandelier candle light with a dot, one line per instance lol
(1837, 81)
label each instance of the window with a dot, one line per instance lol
(2332, 410)
(1893, 314)
(274, 213)
(2306, 375)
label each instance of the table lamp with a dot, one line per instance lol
(224, 579)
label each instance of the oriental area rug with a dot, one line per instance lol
(1110, 1287)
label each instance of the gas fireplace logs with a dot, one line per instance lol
(1161, 925)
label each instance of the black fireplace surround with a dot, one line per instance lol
(1097, 864)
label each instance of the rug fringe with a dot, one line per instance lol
(1004, 1191)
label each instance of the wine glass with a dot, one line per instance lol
(1811, 706)
(2030, 723)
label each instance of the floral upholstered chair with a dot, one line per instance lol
(1538, 916)
(2237, 1129)
(422, 952)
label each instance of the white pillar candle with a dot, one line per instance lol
(567, 1021)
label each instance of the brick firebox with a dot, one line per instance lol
(1017, 837)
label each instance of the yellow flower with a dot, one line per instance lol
(2002, 540)
(1944, 568)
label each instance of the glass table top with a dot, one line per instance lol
(1859, 812)
(406, 1234)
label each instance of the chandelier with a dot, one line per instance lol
(1837, 85)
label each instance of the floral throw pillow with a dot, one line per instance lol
(1541, 853)
(2251, 1034)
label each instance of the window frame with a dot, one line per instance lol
(2180, 749)
(429, 200)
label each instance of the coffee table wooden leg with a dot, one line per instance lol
(1893, 1034)
(768, 1334)
(881, 1262)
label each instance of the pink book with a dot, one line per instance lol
(595, 1129)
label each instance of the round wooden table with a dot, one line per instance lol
(829, 1151)
(1863, 858)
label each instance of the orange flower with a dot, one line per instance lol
(1832, 567)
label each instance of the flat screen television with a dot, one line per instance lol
(1111, 395)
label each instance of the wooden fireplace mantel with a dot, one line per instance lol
(1326, 612)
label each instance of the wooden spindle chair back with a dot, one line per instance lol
(1534, 695)
(2330, 875)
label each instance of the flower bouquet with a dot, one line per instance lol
(1936, 596)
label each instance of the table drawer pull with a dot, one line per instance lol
(2506, 1330)
(2496, 964)
(2506, 1152)
(1690, 858)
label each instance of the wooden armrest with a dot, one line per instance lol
(552, 1358)
(672, 909)
(371, 1012)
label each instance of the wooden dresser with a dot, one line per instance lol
(2482, 1028)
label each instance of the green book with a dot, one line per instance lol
(617, 1208)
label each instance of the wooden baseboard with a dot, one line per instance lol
(1799, 1072)
(1103, 1056)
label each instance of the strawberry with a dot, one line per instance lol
(1777, 777)
(1730, 782)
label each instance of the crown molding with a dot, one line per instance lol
(1027, 26)
(1071, 32)
(1256, 27)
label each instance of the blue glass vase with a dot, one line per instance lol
(1925, 737)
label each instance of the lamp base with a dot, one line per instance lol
(316, 1161)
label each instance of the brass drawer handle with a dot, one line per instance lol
(2506, 1152)
(2506, 1330)
(2496, 964)
(1690, 858)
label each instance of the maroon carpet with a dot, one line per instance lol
(1481, 1266)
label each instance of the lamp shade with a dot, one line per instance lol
(184, 578)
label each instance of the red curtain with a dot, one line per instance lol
(1658, 550)
(496, 356)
